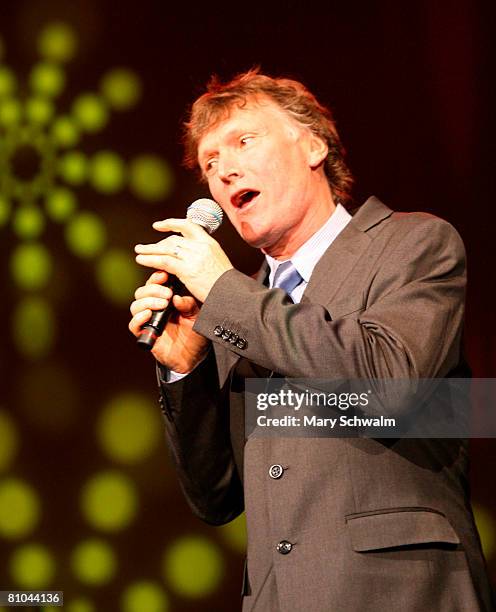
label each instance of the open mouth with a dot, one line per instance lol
(243, 198)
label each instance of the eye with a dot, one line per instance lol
(210, 166)
(244, 140)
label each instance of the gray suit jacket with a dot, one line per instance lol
(374, 524)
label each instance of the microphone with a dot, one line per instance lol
(208, 214)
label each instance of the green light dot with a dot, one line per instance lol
(85, 234)
(121, 88)
(7, 82)
(19, 509)
(65, 132)
(78, 605)
(10, 112)
(10, 440)
(39, 110)
(28, 222)
(47, 79)
(73, 167)
(193, 566)
(60, 204)
(31, 266)
(486, 525)
(234, 534)
(107, 172)
(150, 178)
(94, 562)
(144, 595)
(33, 327)
(129, 428)
(118, 275)
(32, 566)
(90, 112)
(109, 501)
(57, 42)
(5, 208)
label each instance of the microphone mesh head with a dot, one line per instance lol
(206, 213)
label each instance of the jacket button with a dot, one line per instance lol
(284, 547)
(234, 338)
(218, 330)
(226, 334)
(241, 343)
(276, 471)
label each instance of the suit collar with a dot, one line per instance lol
(338, 261)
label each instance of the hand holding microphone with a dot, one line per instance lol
(193, 260)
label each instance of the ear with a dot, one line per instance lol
(318, 151)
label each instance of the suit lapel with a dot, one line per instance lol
(338, 261)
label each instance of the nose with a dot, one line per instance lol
(228, 168)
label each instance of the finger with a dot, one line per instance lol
(160, 276)
(168, 246)
(153, 290)
(183, 226)
(148, 303)
(138, 320)
(168, 262)
(186, 305)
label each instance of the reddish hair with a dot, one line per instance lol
(291, 96)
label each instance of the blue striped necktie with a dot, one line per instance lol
(287, 277)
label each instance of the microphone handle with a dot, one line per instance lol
(153, 328)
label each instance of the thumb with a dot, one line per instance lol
(186, 305)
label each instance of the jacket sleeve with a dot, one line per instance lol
(409, 325)
(196, 415)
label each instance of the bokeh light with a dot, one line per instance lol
(5, 208)
(109, 501)
(193, 566)
(73, 167)
(39, 110)
(121, 88)
(81, 604)
(107, 173)
(129, 428)
(60, 204)
(9, 440)
(19, 508)
(85, 234)
(47, 79)
(28, 222)
(486, 526)
(7, 82)
(57, 42)
(94, 562)
(31, 266)
(234, 534)
(32, 566)
(65, 132)
(144, 596)
(33, 327)
(10, 112)
(150, 178)
(118, 275)
(91, 112)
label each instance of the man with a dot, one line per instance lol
(333, 524)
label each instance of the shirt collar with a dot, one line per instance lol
(307, 256)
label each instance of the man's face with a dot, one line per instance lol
(260, 168)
